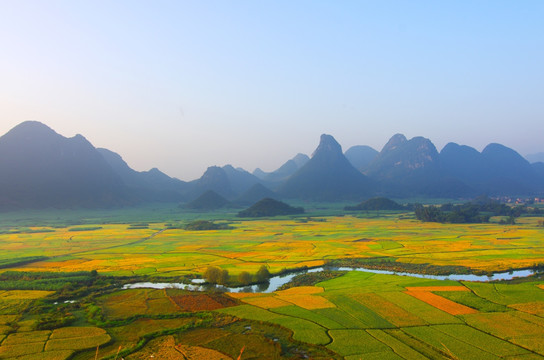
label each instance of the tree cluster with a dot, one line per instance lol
(215, 275)
(471, 212)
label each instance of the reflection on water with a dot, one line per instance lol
(277, 281)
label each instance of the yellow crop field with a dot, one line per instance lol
(388, 310)
(535, 308)
(76, 332)
(27, 337)
(77, 343)
(11, 351)
(309, 302)
(300, 290)
(4, 319)
(116, 249)
(441, 303)
(23, 294)
(49, 355)
(266, 302)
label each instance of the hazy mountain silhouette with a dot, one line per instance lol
(283, 172)
(534, 158)
(360, 156)
(214, 178)
(154, 185)
(496, 170)
(538, 167)
(209, 200)
(40, 168)
(507, 171)
(254, 194)
(239, 179)
(328, 176)
(412, 168)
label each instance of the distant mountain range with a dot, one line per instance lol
(42, 169)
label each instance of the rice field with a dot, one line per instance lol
(355, 316)
(409, 319)
(119, 249)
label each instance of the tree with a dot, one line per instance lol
(263, 275)
(244, 277)
(213, 274)
(223, 277)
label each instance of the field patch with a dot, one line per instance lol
(441, 303)
(355, 342)
(428, 313)
(388, 310)
(448, 345)
(48, 355)
(202, 302)
(266, 302)
(535, 308)
(27, 337)
(309, 302)
(166, 348)
(313, 316)
(11, 351)
(360, 312)
(405, 351)
(481, 340)
(23, 294)
(512, 327)
(76, 338)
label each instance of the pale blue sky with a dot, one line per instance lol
(182, 85)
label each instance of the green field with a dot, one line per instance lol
(49, 259)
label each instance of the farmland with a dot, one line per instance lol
(357, 315)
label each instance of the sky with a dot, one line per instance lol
(183, 85)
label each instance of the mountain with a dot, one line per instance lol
(254, 194)
(534, 158)
(209, 200)
(538, 167)
(507, 172)
(360, 156)
(327, 176)
(239, 179)
(412, 168)
(284, 171)
(40, 168)
(497, 170)
(463, 162)
(214, 178)
(153, 184)
(270, 207)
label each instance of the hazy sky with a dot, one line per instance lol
(183, 85)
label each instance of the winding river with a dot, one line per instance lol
(277, 281)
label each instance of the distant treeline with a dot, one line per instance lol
(472, 212)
